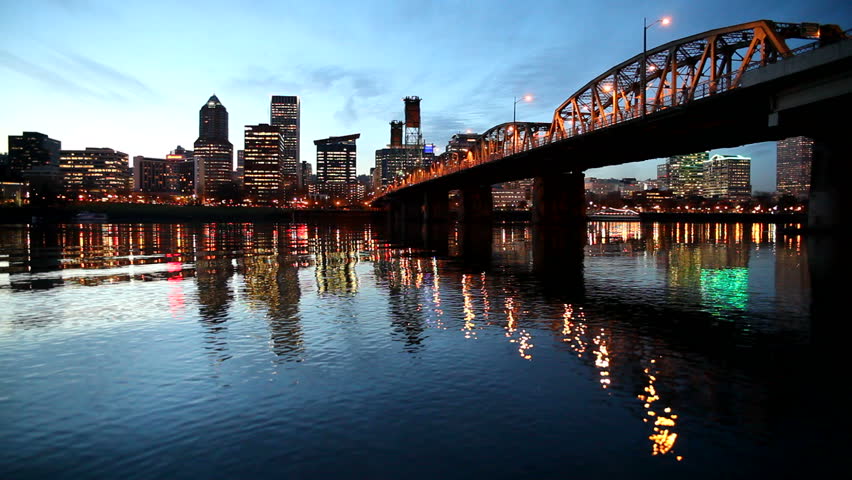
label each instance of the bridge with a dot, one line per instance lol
(722, 88)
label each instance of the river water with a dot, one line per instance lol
(337, 351)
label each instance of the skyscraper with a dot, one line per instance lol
(285, 116)
(727, 177)
(336, 157)
(213, 152)
(793, 166)
(262, 164)
(685, 173)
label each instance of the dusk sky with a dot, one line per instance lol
(133, 75)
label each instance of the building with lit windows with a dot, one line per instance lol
(793, 166)
(284, 114)
(727, 177)
(183, 168)
(686, 173)
(663, 176)
(462, 142)
(515, 195)
(263, 164)
(94, 171)
(336, 177)
(28, 150)
(150, 175)
(214, 154)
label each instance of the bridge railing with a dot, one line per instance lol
(663, 101)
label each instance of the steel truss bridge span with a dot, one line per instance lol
(681, 77)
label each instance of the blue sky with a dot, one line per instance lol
(133, 75)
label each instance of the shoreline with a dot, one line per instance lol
(146, 213)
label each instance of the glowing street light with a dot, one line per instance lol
(527, 98)
(662, 21)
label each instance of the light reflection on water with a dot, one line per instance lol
(313, 350)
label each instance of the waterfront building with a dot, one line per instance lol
(284, 114)
(213, 152)
(150, 175)
(94, 170)
(336, 177)
(31, 149)
(263, 172)
(793, 166)
(727, 177)
(685, 173)
(515, 195)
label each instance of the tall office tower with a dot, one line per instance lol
(263, 167)
(793, 166)
(31, 150)
(285, 116)
(213, 152)
(239, 173)
(663, 176)
(685, 173)
(336, 157)
(94, 170)
(727, 177)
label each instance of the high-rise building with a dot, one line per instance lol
(213, 152)
(793, 166)
(285, 116)
(94, 170)
(263, 174)
(29, 150)
(727, 177)
(685, 173)
(336, 158)
(241, 166)
(663, 176)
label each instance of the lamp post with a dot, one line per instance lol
(644, 67)
(526, 98)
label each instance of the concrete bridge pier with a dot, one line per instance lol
(559, 199)
(436, 206)
(477, 205)
(828, 206)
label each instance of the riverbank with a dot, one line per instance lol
(724, 217)
(144, 213)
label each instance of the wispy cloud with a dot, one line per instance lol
(45, 76)
(101, 81)
(359, 88)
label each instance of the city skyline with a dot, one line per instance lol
(137, 93)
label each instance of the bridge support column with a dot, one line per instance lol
(559, 199)
(830, 165)
(436, 206)
(477, 204)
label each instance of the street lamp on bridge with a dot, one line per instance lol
(527, 98)
(644, 67)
